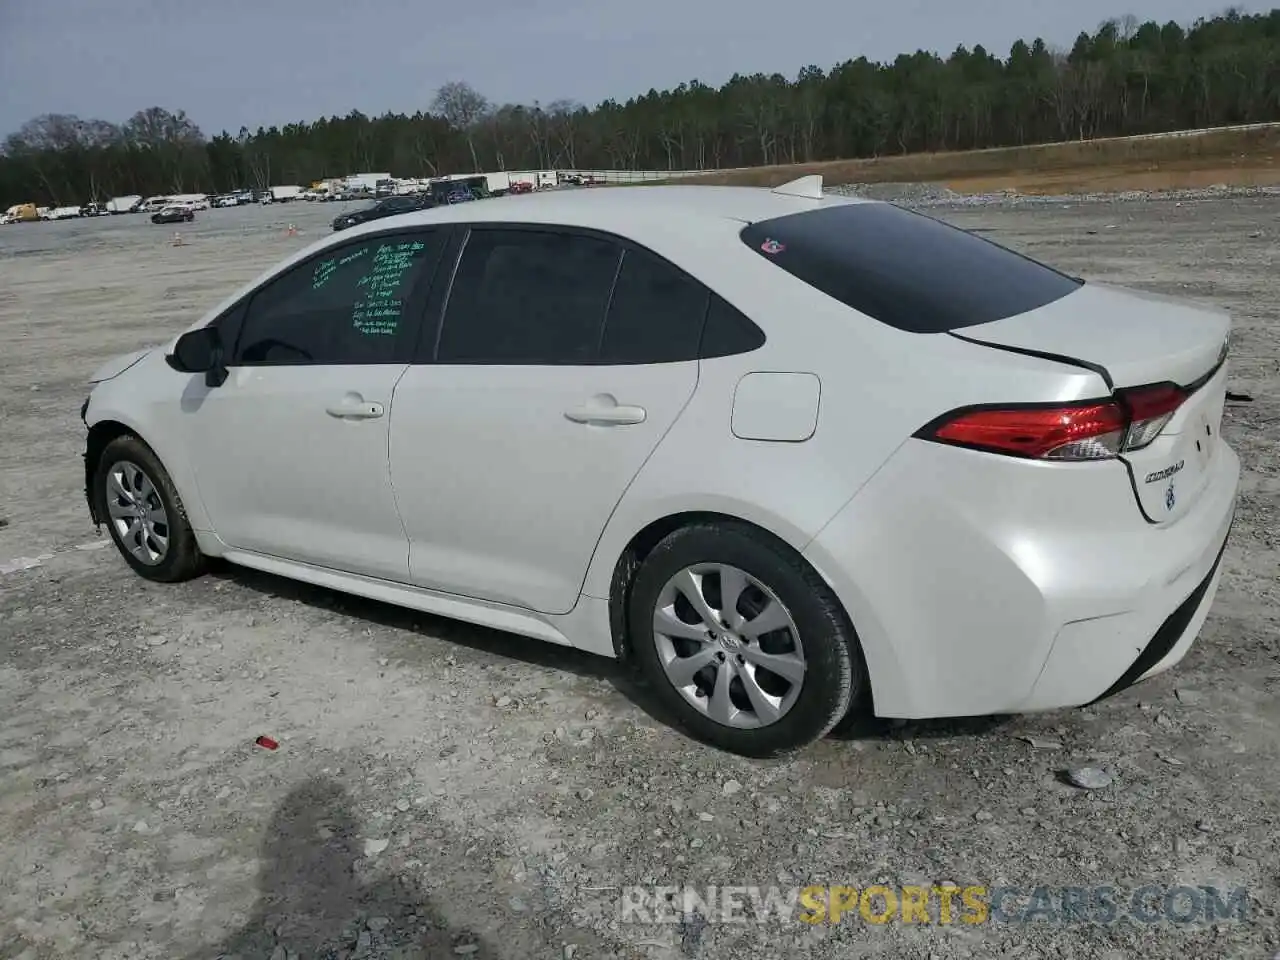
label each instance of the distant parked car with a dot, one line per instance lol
(173, 215)
(388, 207)
(461, 196)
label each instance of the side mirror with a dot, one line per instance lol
(200, 351)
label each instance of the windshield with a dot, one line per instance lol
(904, 269)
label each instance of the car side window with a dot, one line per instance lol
(656, 313)
(345, 306)
(728, 331)
(229, 324)
(528, 297)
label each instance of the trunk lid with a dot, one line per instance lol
(1170, 473)
(1136, 339)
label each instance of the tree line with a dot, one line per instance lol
(1124, 78)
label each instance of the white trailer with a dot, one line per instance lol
(196, 201)
(410, 186)
(127, 204)
(282, 194)
(63, 213)
(365, 181)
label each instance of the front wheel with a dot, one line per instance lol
(742, 640)
(140, 505)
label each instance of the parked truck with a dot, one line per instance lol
(282, 194)
(523, 181)
(21, 213)
(127, 204)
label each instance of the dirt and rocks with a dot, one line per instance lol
(440, 790)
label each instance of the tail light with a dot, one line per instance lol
(1150, 409)
(1088, 430)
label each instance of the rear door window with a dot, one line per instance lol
(728, 331)
(904, 269)
(528, 297)
(656, 313)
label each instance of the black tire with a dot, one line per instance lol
(834, 675)
(182, 559)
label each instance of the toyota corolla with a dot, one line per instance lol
(790, 455)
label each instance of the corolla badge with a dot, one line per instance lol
(1169, 497)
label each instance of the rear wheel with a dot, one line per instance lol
(141, 507)
(743, 641)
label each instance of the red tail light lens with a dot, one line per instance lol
(1071, 432)
(1150, 409)
(1091, 430)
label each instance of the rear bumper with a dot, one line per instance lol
(1174, 637)
(982, 585)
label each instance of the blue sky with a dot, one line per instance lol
(252, 62)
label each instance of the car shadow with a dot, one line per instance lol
(497, 643)
(870, 728)
(626, 681)
(313, 906)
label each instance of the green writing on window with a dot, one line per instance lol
(350, 257)
(381, 294)
(322, 272)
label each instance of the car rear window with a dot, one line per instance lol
(905, 269)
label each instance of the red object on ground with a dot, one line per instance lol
(266, 742)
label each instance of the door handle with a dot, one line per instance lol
(607, 416)
(354, 408)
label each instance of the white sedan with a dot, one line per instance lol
(793, 456)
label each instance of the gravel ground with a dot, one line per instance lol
(440, 790)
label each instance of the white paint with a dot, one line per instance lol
(776, 406)
(487, 515)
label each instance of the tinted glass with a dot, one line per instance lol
(728, 331)
(656, 313)
(523, 296)
(229, 325)
(344, 307)
(905, 269)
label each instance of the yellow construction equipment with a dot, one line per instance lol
(22, 211)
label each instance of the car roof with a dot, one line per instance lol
(629, 210)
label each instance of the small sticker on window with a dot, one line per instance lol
(772, 246)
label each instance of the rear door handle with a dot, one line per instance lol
(606, 415)
(355, 408)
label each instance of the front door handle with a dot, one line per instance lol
(603, 415)
(355, 407)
